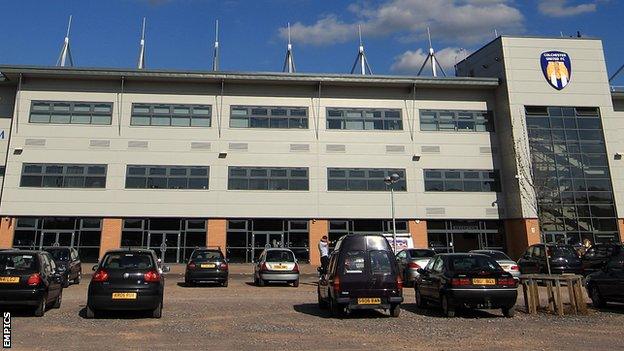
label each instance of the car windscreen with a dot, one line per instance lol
(59, 254)
(496, 255)
(128, 260)
(15, 263)
(562, 251)
(473, 264)
(421, 253)
(380, 262)
(279, 256)
(204, 256)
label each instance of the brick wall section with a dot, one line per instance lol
(418, 230)
(621, 226)
(318, 228)
(521, 233)
(111, 234)
(216, 233)
(7, 229)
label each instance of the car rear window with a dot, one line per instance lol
(354, 262)
(17, 263)
(421, 253)
(496, 255)
(279, 256)
(473, 263)
(59, 254)
(380, 262)
(562, 251)
(206, 256)
(129, 260)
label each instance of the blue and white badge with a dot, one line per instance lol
(557, 68)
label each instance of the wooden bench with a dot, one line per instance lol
(554, 284)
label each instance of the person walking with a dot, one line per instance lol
(324, 251)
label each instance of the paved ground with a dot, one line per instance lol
(245, 317)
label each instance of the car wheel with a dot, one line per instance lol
(59, 299)
(261, 282)
(447, 309)
(78, 278)
(336, 309)
(296, 283)
(322, 303)
(89, 312)
(419, 300)
(509, 312)
(596, 297)
(395, 310)
(225, 283)
(66, 282)
(188, 283)
(40, 310)
(157, 312)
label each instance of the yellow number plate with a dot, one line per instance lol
(482, 281)
(280, 267)
(207, 265)
(124, 296)
(9, 280)
(369, 301)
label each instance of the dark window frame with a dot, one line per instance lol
(162, 174)
(72, 112)
(451, 180)
(482, 121)
(152, 114)
(337, 118)
(254, 119)
(57, 175)
(369, 179)
(256, 178)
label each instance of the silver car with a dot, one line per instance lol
(503, 260)
(276, 265)
(410, 260)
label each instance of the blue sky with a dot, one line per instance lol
(180, 32)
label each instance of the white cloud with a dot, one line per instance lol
(410, 62)
(560, 8)
(464, 21)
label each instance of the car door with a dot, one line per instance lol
(401, 259)
(436, 278)
(612, 286)
(324, 279)
(527, 261)
(424, 281)
(50, 275)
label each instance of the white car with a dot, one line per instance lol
(503, 260)
(276, 265)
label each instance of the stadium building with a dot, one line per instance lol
(523, 145)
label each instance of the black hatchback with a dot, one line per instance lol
(561, 259)
(206, 266)
(68, 263)
(29, 278)
(362, 274)
(127, 280)
(607, 284)
(598, 255)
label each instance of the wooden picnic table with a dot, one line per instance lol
(554, 285)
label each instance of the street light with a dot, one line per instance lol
(390, 181)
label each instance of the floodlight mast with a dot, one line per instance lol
(65, 55)
(141, 61)
(435, 65)
(361, 61)
(215, 56)
(289, 62)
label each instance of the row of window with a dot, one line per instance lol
(193, 115)
(43, 175)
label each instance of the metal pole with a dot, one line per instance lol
(393, 219)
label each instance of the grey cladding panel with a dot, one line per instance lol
(99, 143)
(395, 149)
(430, 149)
(299, 147)
(139, 144)
(335, 148)
(200, 145)
(239, 146)
(35, 142)
(435, 211)
(485, 150)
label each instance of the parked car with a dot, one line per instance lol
(409, 260)
(598, 255)
(562, 259)
(68, 263)
(276, 265)
(510, 266)
(466, 280)
(30, 278)
(206, 265)
(607, 284)
(362, 274)
(127, 279)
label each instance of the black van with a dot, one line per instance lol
(362, 274)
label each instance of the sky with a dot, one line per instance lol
(253, 34)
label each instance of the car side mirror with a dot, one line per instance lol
(166, 269)
(94, 268)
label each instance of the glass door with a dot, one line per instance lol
(265, 240)
(166, 245)
(56, 238)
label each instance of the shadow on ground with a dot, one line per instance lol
(117, 314)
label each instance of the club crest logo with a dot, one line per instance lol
(557, 68)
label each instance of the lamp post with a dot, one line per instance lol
(390, 181)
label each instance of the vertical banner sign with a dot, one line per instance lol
(6, 330)
(557, 68)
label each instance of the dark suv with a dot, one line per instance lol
(68, 263)
(597, 256)
(29, 278)
(562, 259)
(127, 280)
(206, 265)
(362, 274)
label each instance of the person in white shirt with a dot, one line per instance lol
(324, 250)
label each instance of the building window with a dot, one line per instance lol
(67, 112)
(465, 235)
(571, 174)
(364, 119)
(456, 121)
(269, 117)
(167, 177)
(267, 178)
(461, 180)
(363, 179)
(171, 115)
(48, 175)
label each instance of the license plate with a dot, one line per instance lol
(9, 280)
(280, 267)
(207, 265)
(482, 281)
(369, 301)
(124, 296)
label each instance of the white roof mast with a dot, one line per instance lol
(289, 62)
(65, 51)
(360, 60)
(141, 63)
(215, 55)
(431, 57)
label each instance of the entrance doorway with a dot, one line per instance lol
(464, 242)
(265, 240)
(167, 243)
(56, 238)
